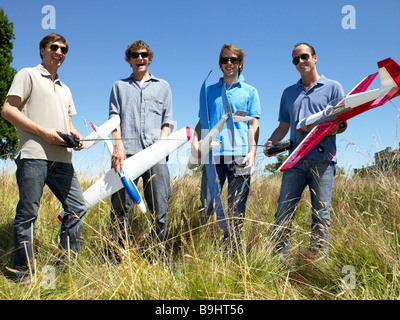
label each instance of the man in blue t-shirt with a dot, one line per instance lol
(309, 95)
(241, 96)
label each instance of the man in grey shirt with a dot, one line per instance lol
(144, 104)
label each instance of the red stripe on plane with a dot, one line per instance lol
(363, 85)
(385, 98)
(308, 143)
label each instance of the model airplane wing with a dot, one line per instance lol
(101, 132)
(134, 166)
(311, 140)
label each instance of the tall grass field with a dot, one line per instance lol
(197, 264)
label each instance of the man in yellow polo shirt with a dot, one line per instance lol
(40, 106)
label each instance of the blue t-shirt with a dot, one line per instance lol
(241, 96)
(296, 98)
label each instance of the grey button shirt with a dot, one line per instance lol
(143, 110)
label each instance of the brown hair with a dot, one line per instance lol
(236, 50)
(140, 44)
(51, 37)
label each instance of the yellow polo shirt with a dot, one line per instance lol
(48, 103)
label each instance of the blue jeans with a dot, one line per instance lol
(238, 192)
(318, 175)
(157, 192)
(32, 175)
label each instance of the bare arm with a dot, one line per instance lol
(12, 114)
(195, 151)
(119, 155)
(253, 140)
(279, 133)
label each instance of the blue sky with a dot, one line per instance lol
(186, 37)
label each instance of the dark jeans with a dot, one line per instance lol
(238, 192)
(157, 191)
(32, 175)
(318, 175)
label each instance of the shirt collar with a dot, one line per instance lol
(238, 83)
(322, 80)
(152, 78)
(46, 73)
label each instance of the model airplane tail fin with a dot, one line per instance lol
(107, 142)
(389, 73)
(101, 132)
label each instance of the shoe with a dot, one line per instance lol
(21, 277)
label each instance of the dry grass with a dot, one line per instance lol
(197, 263)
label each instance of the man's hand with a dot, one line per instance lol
(52, 136)
(248, 160)
(195, 150)
(274, 149)
(279, 133)
(266, 145)
(79, 137)
(118, 157)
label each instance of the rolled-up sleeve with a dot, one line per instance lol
(167, 113)
(114, 108)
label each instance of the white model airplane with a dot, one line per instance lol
(134, 166)
(337, 112)
(128, 184)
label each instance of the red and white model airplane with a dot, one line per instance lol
(337, 112)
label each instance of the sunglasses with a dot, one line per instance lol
(136, 55)
(225, 60)
(304, 57)
(55, 47)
